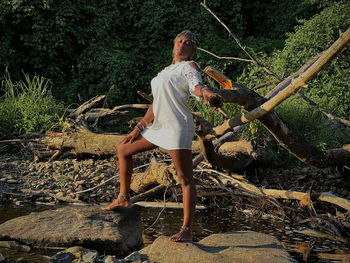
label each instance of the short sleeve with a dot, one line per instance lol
(193, 77)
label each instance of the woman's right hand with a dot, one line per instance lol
(131, 136)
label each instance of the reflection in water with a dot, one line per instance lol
(302, 248)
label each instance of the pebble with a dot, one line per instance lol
(12, 181)
(15, 245)
(135, 256)
(62, 257)
(110, 259)
(90, 257)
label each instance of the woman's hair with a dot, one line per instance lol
(190, 36)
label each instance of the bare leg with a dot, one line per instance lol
(182, 160)
(125, 153)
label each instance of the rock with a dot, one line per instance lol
(14, 245)
(90, 257)
(81, 252)
(88, 226)
(22, 260)
(232, 247)
(110, 259)
(135, 256)
(62, 257)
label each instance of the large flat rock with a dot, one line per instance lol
(88, 226)
(236, 247)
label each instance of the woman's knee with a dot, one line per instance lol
(122, 151)
(185, 178)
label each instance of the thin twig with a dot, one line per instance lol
(261, 85)
(266, 69)
(113, 177)
(230, 58)
(329, 114)
(161, 211)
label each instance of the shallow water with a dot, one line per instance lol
(206, 222)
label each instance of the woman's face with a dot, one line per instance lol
(183, 48)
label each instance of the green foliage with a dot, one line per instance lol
(329, 89)
(86, 47)
(28, 106)
(96, 47)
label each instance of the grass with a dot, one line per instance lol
(28, 106)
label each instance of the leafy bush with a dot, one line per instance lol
(86, 47)
(28, 106)
(329, 89)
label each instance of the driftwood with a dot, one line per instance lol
(296, 84)
(83, 141)
(33, 194)
(304, 198)
(157, 173)
(289, 139)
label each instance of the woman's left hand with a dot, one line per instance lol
(215, 100)
(207, 93)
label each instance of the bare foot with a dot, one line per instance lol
(185, 235)
(121, 201)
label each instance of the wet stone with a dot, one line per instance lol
(63, 257)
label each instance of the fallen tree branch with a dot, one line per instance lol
(149, 193)
(305, 198)
(87, 106)
(289, 139)
(329, 114)
(267, 70)
(33, 193)
(229, 58)
(295, 85)
(136, 106)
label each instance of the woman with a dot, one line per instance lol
(172, 128)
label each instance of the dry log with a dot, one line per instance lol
(87, 106)
(136, 106)
(233, 160)
(287, 81)
(149, 193)
(289, 139)
(83, 141)
(331, 198)
(305, 198)
(295, 85)
(156, 174)
(96, 114)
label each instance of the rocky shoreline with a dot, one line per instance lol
(23, 180)
(70, 178)
(63, 178)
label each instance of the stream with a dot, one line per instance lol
(206, 222)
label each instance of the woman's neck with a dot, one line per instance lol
(175, 60)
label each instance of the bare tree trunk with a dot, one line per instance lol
(262, 109)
